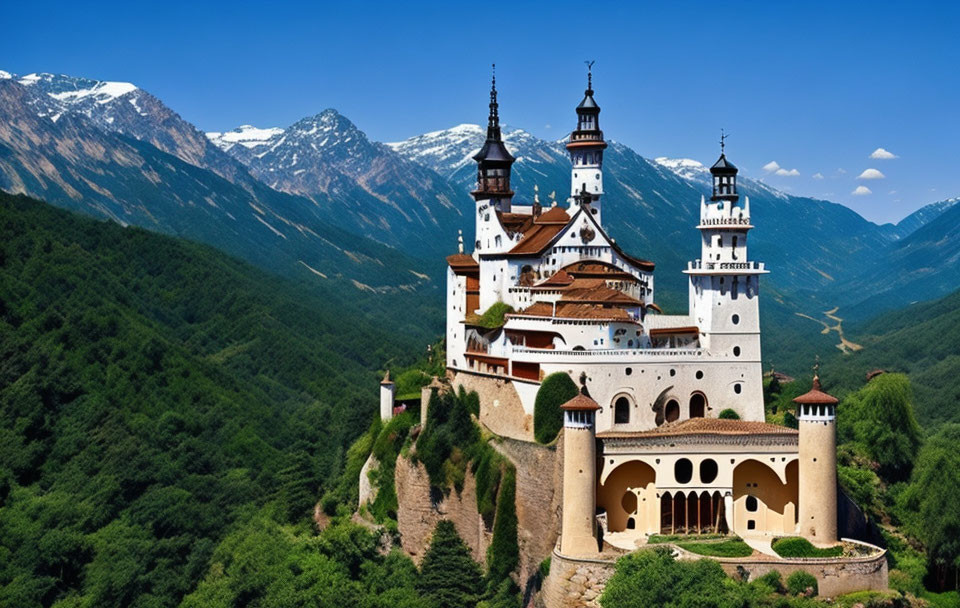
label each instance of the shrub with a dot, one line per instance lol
(556, 389)
(795, 546)
(494, 316)
(772, 580)
(652, 577)
(729, 414)
(800, 581)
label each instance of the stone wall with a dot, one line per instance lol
(501, 409)
(366, 493)
(835, 576)
(575, 583)
(538, 500)
(417, 515)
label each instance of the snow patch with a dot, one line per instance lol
(102, 92)
(5, 75)
(687, 168)
(247, 136)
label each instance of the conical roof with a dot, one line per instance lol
(816, 395)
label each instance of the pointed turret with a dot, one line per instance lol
(586, 147)
(817, 421)
(724, 176)
(493, 159)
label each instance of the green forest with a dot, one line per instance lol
(170, 417)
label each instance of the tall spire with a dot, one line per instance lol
(493, 121)
(493, 159)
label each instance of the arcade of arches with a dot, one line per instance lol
(683, 496)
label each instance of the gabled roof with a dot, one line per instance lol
(575, 310)
(595, 291)
(558, 279)
(556, 215)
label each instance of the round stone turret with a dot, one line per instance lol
(578, 537)
(817, 415)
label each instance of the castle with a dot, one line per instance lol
(547, 290)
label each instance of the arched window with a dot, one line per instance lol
(683, 471)
(621, 411)
(751, 504)
(672, 411)
(698, 405)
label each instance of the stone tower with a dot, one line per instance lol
(723, 294)
(817, 413)
(387, 391)
(578, 537)
(586, 147)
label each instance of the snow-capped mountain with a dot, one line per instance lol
(76, 163)
(364, 185)
(124, 108)
(687, 168)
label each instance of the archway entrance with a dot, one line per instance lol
(692, 513)
(698, 405)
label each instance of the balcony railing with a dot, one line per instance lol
(701, 265)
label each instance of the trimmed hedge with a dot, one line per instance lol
(555, 390)
(729, 414)
(795, 546)
(727, 548)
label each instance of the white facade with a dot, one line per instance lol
(558, 271)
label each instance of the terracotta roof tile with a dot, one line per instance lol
(816, 395)
(556, 215)
(536, 239)
(462, 260)
(581, 402)
(706, 426)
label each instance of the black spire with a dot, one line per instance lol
(724, 175)
(588, 118)
(493, 159)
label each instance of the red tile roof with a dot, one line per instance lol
(580, 402)
(462, 260)
(706, 426)
(816, 396)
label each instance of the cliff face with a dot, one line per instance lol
(538, 503)
(417, 514)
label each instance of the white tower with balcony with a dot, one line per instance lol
(586, 148)
(724, 287)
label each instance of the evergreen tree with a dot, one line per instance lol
(449, 577)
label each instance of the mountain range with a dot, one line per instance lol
(320, 200)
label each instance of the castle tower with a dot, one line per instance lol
(817, 413)
(578, 536)
(387, 391)
(586, 147)
(723, 292)
(493, 162)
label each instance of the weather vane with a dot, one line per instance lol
(723, 140)
(590, 63)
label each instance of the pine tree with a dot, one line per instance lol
(449, 577)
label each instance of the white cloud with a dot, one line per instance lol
(787, 173)
(862, 191)
(818, 175)
(882, 154)
(871, 174)
(841, 171)
(771, 166)
(548, 126)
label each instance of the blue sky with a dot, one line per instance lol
(813, 87)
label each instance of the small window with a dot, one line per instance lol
(735, 319)
(699, 375)
(708, 470)
(672, 411)
(628, 371)
(752, 504)
(621, 411)
(737, 388)
(683, 471)
(751, 524)
(736, 351)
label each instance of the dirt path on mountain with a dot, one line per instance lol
(845, 345)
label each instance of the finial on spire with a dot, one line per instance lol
(590, 63)
(460, 241)
(723, 140)
(493, 71)
(536, 193)
(816, 366)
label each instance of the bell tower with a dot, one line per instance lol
(724, 288)
(493, 162)
(586, 147)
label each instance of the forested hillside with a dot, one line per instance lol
(156, 394)
(920, 340)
